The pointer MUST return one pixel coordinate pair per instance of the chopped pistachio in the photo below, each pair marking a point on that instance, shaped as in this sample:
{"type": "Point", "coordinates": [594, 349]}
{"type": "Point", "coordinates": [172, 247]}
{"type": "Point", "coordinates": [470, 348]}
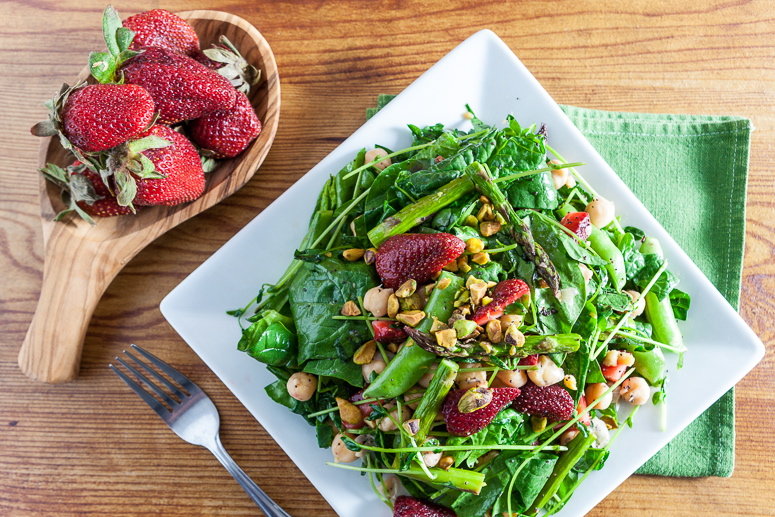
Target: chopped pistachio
{"type": "Point", "coordinates": [411, 318]}
{"type": "Point", "coordinates": [412, 426]}
{"type": "Point", "coordinates": [464, 328]}
{"type": "Point", "coordinates": [350, 308]}
{"type": "Point", "coordinates": [474, 245]}
{"type": "Point", "coordinates": [484, 199]}
{"type": "Point", "coordinates": [478, 291]}
{"type": "Point", "coordinates": [452, 267]}
{"type": "Point", "coordinates": [446, 338]}
{"type": "Point", "coordinates": [370, 255]}
{"type": "Point", "coordinates": [407, 289]}
{"type": "Point", "coordinates": [365, 352]}
{"type": "Point", "coordinates": [481, 258]}
{"type": "Point", "coordinates": [514, 337]}
{"type": "Point", "coordinates": [437, 325]}
{"type": "Point", "coordinates": [486, 300]}
{"type": "Point", "coordinates": [485, 213]}
{"type": "Point", "coordinates": [353, 254]}
{"type": "Point", "coordinates": [494, 332]}
{"type": "Point", "coordinates": [538, 424]}
{"type": "Point", "coordinates": [488, 228]}
{"type": "Point", "coordinates": [348, 411]}
{"type": "Point", "coordinates": [487, 347]}
{"type": "Point", "coordinates": [445, 462]}
{"type": "Point", "coordinates": [471, 221]}
{"type": "Point", "coordinates": [443, 283]}
{"type": "Point", "coordinates": [393, 306]}
{"type": "Point", "coordinates": [474, 399]}
{"type": "Point", "coordinates": [464, 268]}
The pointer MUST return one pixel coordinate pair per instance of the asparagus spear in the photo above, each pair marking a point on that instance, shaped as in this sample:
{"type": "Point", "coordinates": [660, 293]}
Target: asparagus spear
{"type": "Point", "coordinates": [520, 232]}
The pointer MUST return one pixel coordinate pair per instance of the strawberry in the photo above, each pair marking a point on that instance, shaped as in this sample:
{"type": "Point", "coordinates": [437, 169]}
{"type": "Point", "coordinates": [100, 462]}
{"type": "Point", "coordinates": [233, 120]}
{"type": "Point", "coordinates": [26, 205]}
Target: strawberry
{"type": "Point", "coordinates": [163, 29]}
{"type": "Point", "coordinates": [182, 88]}
{"type": "Point", "coordinates": [99, 116]}
{"type": "Point", "coordinates": [579, 223]}
{"type": "Point", "coordinates": [106, 204]}
{"type": "Point", "coordinates": [530, 360]}
{"type": "Point", "coordinates": [580, 408]}
{"type": "Point", "coordinates": [408, 506]}
{"type": "Point", "coordinates": [503, 295]}
{"type": "Point", "coordinates": [466, 424]}
{"type": "Point", "coordinates": [613, 373]}
{"type": "Point", "coordinates": [385, 333]}
{"type": "Point", "coordinates": [415, 256]}
{"type": "Point", "coordinates": [227, 133]}
{"type": "Point", "coordinates": [553, 401]}
{"type": "Point", "coordinates": [181, 167]}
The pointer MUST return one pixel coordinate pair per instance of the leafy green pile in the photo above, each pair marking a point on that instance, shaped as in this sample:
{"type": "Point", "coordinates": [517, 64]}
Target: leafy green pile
{"type": "Point", "coordinates": [516, 463]}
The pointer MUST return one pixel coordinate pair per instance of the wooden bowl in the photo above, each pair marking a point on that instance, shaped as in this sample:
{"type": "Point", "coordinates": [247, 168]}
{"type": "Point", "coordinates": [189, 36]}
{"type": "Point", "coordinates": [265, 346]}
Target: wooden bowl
{"type": "Point", "coordinates": [81, 260]}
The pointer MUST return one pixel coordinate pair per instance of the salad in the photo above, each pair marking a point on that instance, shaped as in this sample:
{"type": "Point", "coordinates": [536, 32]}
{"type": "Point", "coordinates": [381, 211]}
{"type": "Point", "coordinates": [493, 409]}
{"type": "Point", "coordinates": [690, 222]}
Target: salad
{"type": "Point", "coordinates": [467, 323]}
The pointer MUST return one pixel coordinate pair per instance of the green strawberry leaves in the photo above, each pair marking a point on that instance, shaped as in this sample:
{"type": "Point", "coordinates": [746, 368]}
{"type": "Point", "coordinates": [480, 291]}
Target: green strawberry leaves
{"type": "Point", "coordinates": [104, 66]}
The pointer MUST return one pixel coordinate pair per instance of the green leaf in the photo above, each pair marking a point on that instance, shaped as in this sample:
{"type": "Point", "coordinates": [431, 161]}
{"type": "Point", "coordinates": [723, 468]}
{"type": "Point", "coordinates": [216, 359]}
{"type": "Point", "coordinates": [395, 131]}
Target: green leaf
{"type": "Point", "coordinates": [126, 188]}
{"type": "Point", "coordinates": [148, 142]}
{"type": "Point", "coordinates": [111, 22]}
{"type": "Point", "coordinates": [680, 302]}
{"type": "Point", "coordinates": [347, 371]}
{"type": "Point", "coordinates": [102, 66]}
{"type": "Point", "coordinates": [124, 38]}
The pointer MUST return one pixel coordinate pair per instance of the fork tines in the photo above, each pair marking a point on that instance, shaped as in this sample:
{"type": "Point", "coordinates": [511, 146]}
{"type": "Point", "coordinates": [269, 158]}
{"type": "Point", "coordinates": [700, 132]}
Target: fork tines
{"type": "Point", "coordinates": [188, 386]}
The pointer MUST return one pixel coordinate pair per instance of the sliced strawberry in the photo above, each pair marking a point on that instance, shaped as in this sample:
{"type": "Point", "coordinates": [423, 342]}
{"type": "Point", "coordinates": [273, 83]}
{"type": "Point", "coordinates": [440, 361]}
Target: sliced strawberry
{"type": "Point", "coordinates": [415, 256]}
{"type": "Point", "coordinates": [553, 402]}
{"type": "Point", "coordinates": [503, 295]}
{"type": "Point", "coordinates": [613, 373]}
{"type": "Point", "coordinates": [408, 506]}
{"type": "Point", "coordinates": [580, 407]}
{"type": "Point", "coordinates": [466, 424]}
{"type": "Point", "coordinates": [579, 223]}
{"type": "Point", "coordinates": [384, 332]}
{"type": "Point", "coordinates": [530, 360]}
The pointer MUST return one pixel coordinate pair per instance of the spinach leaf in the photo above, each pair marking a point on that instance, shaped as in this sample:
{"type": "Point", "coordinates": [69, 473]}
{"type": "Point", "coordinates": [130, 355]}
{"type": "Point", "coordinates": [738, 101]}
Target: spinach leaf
{"type": "Point", "coordinates": [317, 294]}
{"type": "Point", "coordinates": [528, 484]}
{"type": "Point", "coordinates": [664, 284]}
{"type": "Point", "coordinates": [271, 339]}
{"type": "Point", "coordinates": [347, 370]}
{"type": "Point", "coordinates": [680, 302]}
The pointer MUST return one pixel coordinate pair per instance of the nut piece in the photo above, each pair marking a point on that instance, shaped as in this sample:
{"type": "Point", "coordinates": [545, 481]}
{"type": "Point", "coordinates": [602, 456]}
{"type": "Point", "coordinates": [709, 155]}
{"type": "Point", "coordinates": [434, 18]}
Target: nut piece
{"type": "Point", "coordinates": [376, 301]}
{"type": "Point", "coordinates": [447, 338]}
{"type": "Point", "coordinates": [514, 337]}
{"type": "Point", "coordinates": [393, 305]}
{"type": "Point", "coordinates": [446, 462]}
{"type": "Point", "coordinates": [443, 283]}
{"type": "Point", "coordinates": [488, 228]}
{"type": "Point", "coordinates": [494, 332]}
{"type": "Point", "coordinates": [538, 423]}
{"type": "Point", "coordinates": [411, 318]}
{"type": "Point", "coordinates": [568, 436]}
{"type": "Point", "coordinates": [365, 352]}
{"type": "Point", "coordinates": [302, 386]}
{"type": "Point", "coordinates": [474, 399]}
{"type": "Point", "coordinates": [474, 245]}
{"type": "Point", "coordinates": [511, 319]}
{"type": "Point", "coordinates": [478, 290]}
{"type": "Point", "coordinates": [349, 412]}
{"type": "Point", "coordinates": [350, 309]}
{"type": "Point", "coordinates": [464, 328]}
{"type": "Point", "coordinates": [481, 258]}
{"type": "Point", "coordinates": [485, 213]}
{"type": "Point", "coordinates": [407, 289]}
{"type": "Point", "coordinates": [353, 254]}
{"type": "Point", "coordinates": [369, 256]}
{"type": "Point", "coordinates": [412, 426]}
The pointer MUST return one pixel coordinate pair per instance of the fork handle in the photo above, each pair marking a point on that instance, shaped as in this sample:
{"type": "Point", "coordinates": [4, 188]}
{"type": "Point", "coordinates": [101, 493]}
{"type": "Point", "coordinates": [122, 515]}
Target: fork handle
{"type": "Point", "coordinates": [264, 502]}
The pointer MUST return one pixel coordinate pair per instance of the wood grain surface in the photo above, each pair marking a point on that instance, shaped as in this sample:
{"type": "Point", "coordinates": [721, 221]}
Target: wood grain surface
{"type": "Point", "coordinates": [91, 447]}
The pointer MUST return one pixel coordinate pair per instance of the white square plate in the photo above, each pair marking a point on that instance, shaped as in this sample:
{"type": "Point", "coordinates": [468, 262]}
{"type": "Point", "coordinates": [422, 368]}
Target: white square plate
{"type": "Point", "coordinates": [484, 73]}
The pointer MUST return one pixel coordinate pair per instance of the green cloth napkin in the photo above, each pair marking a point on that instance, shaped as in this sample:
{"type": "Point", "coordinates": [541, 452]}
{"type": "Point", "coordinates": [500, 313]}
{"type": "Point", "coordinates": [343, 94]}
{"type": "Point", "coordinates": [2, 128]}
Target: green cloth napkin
{"type": "Point", "coordinates": [691, 172]}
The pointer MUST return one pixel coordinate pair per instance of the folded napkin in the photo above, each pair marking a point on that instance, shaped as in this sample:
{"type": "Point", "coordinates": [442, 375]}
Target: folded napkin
{"type": "Point", "coordinates": [688, 170]}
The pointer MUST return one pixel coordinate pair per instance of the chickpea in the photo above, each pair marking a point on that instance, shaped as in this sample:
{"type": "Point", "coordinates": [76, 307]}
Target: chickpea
{"type": "Point", "coordinates": [547, 373]}
{"type": "Point", "coordinates": [601, 212]}
{"type": "Point", "coordinates": [376, 301]}
{"type": "Point", "coordinates": [377, 364]}
{"type": "Point", "coordinates": [594, 391]}
{"type": "Point", "coordinates": [390, 486]}
{"type": "Point", "coordinates": [302, 386]}
{"type": "Point", "coordinates": [511, 379]}
{"type": "Point", "coordinates": [635, 390]}
{"type": "Point", "coordinates": [560, 176]}
{"type": "Point", "coordinates": [341, 453]}
{"type": "Point", "coordinates": [431, 458]}
{"type": "Point", "coordinates": [389, 423]}
{"type": "Point", "coordinates": [425, 380]}
{"type": "Point", "coordinates": [600, 430]}
{"type": "Point", "coordinates": [373, 154]}
{"type": "Point", "coordinates": [568, 436]}
{"type": "Point", "coordinates": [467, 380]}
{"type": "Point", "coordinates": [571, 181]}
{"type": "Point", "coordinates": [639, 301]}
{"type": "Point", "coordinates": [586, 272]}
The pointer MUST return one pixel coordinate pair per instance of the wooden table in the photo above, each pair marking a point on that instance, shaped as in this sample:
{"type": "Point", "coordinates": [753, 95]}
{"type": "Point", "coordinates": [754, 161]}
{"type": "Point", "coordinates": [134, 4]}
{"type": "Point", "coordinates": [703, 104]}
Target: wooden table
{"type": "Point", "coordinates": [90, 447]}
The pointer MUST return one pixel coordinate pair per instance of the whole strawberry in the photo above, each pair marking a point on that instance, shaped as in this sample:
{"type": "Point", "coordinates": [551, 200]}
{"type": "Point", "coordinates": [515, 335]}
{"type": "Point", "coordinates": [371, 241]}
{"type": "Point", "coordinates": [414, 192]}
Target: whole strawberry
{"type": "Point", "coordinates": [504, 294]}
{"type": "Point", "coordinates": [227, 133]}
{"type": "Point", "coordinates": [105, 204]}
{"type": "Point", "coordinates": [163, 29]}
{"type": "Point", "coordinates": [181, 167]}
{"type": "Point", "coordinates": [99, 116]}
{"type": "Point", "coordinates": [408, 506]}
{"type": "Point", "coordinates": [553, 402]}
{"type": "Point", "coordinates": [182, 88]}
{"type": "Point", "coordinates": [415, 256]}
{"type": "Point", "coordinates": [467, 422]}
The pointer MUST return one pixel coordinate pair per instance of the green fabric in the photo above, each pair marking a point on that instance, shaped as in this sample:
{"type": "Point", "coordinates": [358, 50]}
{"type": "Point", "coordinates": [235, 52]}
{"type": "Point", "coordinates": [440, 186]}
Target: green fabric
{"type": "Point", "coordinates": [691, 172]}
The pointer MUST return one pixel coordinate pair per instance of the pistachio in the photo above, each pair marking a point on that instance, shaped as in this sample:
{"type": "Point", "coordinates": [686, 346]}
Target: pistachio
{"type": "Point", "coordinates": [353, 254]}
{"type": "Point", "coordinates": [481, 258]}
{"type": "Point", "coordinates": [488, 228]}
{"type": "Point", "coordinates": [370, 255]}
{"type": "Point", "coordinates": [484, 199]}
{"type": "Point", "coordinates": [478, 291]}
{"type": "Point", "coordinates": [393, 305]}
{"type": "Point", "coordinates": [451, 267]}
{"type": "Point", "coordinates": [486, 300]}
{"type": "Point", "coordinates": [462, 260]}
{"type": "Point", "coordinates": [443, 283]}
{"type": "Point", "coordinates": [365, 352]}
{"type": "Point", "coordinates": [474, 245]}
{"type": "Point", "coordinates": [412, 426]}
{"type": "Point", "coordinates": [446, 338]}
{"type": "Point", "coordinates": [407, 289]}
{"type": "Point", "coordinates": [349, 412]}
{"type": "Point", "coordinates": [411, 318]}
{"type": "Point", "coordinates": [494, 332]}
{"type": "Point", "coordinates": [471, 221]}
{"type": "Point", "coordinates": [464, 328]}
{"type": "Point", "coordinates": [474, 399]}
{"type": "Point", "coordinates": [446, 462]}
{"type": "Point", "coordinates": [350, 308]}
{"type": "Point", "coordinates": [487, 347]}
{"type": "Point", "coordinates": [537, 423]}
{"type": "Point", "coordinates": [413, 302]}
{"type": "Point", "coordinates": [464, 268]}
{"type": "Point", "coordinates": [485, 213]}
{"type": "Point", "coordinates": [511, 319]}
{"type": "Point", "coordinates": [514, 337]}
{"type": "Point", "coordinates": [437, 325]}
{"type": "Point", "coordinates": [471, 280]}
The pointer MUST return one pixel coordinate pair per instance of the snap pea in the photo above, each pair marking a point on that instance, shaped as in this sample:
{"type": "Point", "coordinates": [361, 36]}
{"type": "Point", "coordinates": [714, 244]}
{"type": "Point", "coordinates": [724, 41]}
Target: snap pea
{"type": "Point", "coordinates": [602, 244]}
{"type": "Point", "coordinates": [650, 364]}
{"type": "Point", "coordinates": [660, 312]}
{"type": "Point", "coordinates": [412, 362]}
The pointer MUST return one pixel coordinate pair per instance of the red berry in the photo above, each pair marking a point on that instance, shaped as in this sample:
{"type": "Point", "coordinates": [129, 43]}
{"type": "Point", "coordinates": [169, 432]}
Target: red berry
{"type": "Point", "coordinates": [466, 424]}
{"type": "Point", "coordinates": [530, 360]}
{"type": "Point", "coordinates": [384, 332]}
{"type": "Point", "coordinates": [613, 373]}
{"type": "Point", "coordinates": [579, 223]}
{"type": "Point", "coordinates": [503, 295]}
{"type": "Point", "coordinates": [161, 28]}
{"type": "Point", "coordinates": [553, 402]}
{"type": "Point", "coordinates": [580, 407]}
{"type": "Point", "coordinates": [408, 506]}
{"type": "Point", "coordinates": [100, 116]}
{"type": "Point", "coordinates": [227, 133]}
{"type": "Point", "coordinates": [106, 205]}
{"type": "Point", "coordinates": [182, 88]}
{"type": "Point", "coordinates": [181, 167]}
{"type": "Point", "coordinates": [415, 256]}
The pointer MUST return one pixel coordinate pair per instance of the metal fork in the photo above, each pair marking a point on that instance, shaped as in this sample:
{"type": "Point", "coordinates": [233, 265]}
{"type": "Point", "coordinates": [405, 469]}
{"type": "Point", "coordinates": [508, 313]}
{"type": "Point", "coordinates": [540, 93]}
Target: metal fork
{"type": "Point", "coordinates": [193, 417]}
